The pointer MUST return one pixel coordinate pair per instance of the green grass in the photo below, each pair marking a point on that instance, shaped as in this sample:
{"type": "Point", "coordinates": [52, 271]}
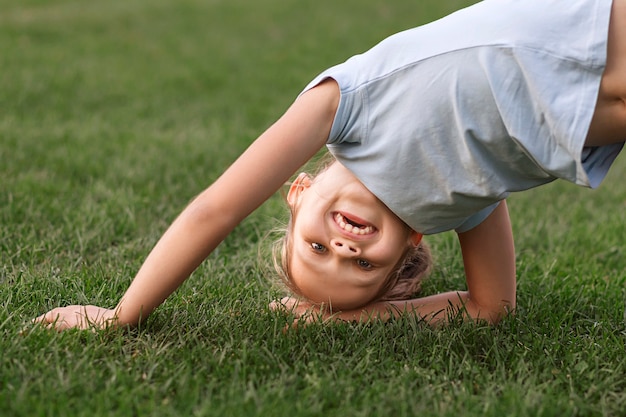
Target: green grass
{"type": "Point", "coordinates": [113, 115]}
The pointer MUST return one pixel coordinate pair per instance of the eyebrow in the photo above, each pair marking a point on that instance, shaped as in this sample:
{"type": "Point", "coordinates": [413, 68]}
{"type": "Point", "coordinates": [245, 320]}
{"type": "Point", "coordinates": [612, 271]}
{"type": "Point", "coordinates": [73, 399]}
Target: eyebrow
{"type": "Point", "coordinates": [309, 261]}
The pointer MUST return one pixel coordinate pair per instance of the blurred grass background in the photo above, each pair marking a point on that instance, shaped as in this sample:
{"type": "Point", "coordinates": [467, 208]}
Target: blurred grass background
{"type": "Point", "coordinates": [113, 115]}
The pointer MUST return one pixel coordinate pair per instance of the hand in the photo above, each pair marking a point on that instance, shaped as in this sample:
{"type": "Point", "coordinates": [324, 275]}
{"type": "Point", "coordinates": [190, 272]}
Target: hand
{"type": "Point", "coordinates": [293, 305]}
{"type": "Point", "coordinates": [77, 317]}
{"type": "Point", "coordinates": [304, 311]}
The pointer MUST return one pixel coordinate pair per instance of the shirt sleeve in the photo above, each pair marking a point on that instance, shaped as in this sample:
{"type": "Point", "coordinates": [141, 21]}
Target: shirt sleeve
{"type": "Point", "coordinates": [476, 219]}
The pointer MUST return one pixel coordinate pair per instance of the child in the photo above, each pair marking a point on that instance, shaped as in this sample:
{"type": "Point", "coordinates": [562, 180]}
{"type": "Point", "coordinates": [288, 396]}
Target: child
{"type": "Point", "coordinates": [431, 130]}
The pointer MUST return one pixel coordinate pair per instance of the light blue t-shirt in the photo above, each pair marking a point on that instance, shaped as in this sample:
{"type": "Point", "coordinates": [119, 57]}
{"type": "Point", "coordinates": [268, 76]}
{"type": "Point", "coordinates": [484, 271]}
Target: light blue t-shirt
{"type": "Point", "coordinates": [443, 121]}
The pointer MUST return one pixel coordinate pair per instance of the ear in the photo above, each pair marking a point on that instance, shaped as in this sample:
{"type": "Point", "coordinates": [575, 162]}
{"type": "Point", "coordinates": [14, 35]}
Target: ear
{"type": "Point", "coordinates": [300, 184]}
{"type": "Point", "coordinates": [415, 238]}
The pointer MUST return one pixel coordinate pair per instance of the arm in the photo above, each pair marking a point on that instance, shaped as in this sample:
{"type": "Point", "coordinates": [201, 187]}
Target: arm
{"type": "Point", "coordinates": [252, 179]}
{"type": "Point", "coordinates": [489, 259]}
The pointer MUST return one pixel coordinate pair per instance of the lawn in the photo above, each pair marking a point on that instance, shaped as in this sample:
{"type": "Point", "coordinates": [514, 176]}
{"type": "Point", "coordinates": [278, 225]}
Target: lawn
{"type": "Point", "coordinates": [114, 114]}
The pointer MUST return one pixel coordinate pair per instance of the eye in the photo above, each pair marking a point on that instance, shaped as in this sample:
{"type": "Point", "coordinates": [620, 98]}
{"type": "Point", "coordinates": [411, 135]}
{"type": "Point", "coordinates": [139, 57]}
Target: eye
{"type": "Point", "coordinates": [363, 264]}
{"type": "Point", "coordinates": [318, 247]}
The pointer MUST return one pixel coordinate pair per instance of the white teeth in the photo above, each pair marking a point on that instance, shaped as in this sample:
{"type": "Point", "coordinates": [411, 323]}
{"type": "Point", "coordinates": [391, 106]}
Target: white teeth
{"type": "Point", "coordinates": [341, 221]}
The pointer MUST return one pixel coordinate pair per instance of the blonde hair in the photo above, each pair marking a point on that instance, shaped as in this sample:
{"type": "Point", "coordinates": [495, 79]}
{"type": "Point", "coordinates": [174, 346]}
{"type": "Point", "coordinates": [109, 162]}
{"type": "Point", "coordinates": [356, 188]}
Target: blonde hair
{"type": "Point", "coordinates": [404, 282]}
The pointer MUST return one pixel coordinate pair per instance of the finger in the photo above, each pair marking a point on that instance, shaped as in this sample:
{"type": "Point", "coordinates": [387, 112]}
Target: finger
{"type": "Point", "coordinates": [53, 319]}
{"type": "Point", "coordinates": [289, 301]}
{"type": "Point", "coordinates": [291, 327]}
{"type": "Point", "coordinates": [42, 318]}
{"type": "Point", "coordinates": [275, 305]}
{"type": "Point", "coordinates": [47, 318]}
{"type": "Point", "coordinates": [283, 305]}
{"type": "Point", "coordinates": [38, 319]}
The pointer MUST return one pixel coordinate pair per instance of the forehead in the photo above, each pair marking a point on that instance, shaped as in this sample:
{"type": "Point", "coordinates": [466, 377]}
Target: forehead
{"type": "Point", "coordinates": [322, 279]}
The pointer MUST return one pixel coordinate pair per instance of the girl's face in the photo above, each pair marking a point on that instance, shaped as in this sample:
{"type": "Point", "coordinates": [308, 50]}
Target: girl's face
{"type": "Point", "coordinates": [345, 241]}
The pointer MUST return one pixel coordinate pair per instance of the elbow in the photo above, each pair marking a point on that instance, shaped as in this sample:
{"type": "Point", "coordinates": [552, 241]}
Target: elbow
{"type": "Point", "coordinates": [205, 210]}
{"type": "Point", "coordinates": [491, 314]}
{"type": "Point", "coordinates": [496, 316]}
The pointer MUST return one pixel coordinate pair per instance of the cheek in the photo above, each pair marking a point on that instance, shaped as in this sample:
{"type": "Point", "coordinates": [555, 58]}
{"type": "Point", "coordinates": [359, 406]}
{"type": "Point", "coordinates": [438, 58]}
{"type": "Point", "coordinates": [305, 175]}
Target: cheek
{"type": "Point", "coordinates": [398, 241]}
{"type": "Point", "coordinates": [390, 252]}
{"type": "Point", "coordinates": [305, 221]}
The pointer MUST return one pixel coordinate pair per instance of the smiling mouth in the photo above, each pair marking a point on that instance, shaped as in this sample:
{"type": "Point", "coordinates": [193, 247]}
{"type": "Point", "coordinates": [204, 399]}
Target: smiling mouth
{"type": "Point", "coordinates": [352, 226]}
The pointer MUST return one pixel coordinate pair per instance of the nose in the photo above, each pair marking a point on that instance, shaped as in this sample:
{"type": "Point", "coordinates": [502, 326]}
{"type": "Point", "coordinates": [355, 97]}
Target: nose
{"type": "Point", "coordinates": [345, 248]}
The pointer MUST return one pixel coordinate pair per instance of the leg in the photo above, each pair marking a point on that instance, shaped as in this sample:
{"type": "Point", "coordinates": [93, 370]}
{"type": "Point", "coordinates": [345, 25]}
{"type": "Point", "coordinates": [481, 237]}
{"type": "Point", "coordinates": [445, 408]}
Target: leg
{"type": "Point", "coordinates": [609, 121]}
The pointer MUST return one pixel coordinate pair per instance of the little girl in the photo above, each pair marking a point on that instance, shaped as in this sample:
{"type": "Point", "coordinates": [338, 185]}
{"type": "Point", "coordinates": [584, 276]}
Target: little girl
{"type": "Point", "coordinates": [431, 130]}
